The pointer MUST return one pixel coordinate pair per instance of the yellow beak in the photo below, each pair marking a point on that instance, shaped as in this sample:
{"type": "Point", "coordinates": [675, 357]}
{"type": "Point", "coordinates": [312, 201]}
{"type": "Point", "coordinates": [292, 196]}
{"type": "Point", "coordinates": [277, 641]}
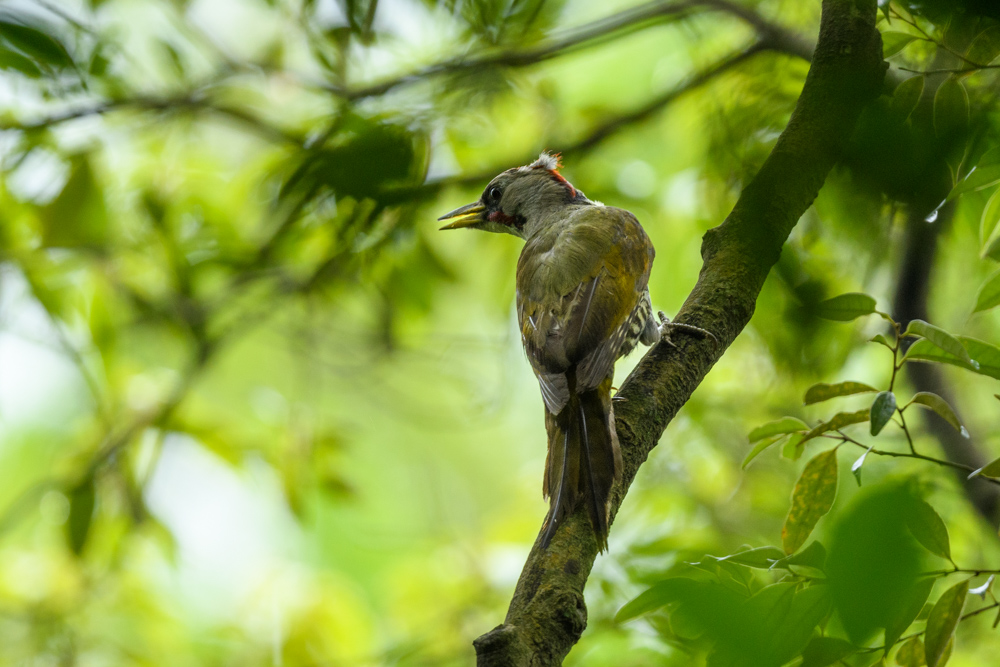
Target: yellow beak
{"type": "Point", "coordinates": [466, 216]}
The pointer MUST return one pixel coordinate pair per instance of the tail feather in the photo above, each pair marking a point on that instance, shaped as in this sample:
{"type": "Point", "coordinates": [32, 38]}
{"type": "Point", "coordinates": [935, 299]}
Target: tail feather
{"type": "Point", "coordinates": [584, 461]}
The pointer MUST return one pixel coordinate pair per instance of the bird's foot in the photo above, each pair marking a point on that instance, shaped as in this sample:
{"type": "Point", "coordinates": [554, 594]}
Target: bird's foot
{"type": "Point", "coordinates": [666, 326]}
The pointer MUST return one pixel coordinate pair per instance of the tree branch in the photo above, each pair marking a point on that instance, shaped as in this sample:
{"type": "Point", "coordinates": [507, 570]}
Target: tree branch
{"type": "Point", "coordinates": [588, 35]}
{"type": "Point", "coordinates": [547, 614]}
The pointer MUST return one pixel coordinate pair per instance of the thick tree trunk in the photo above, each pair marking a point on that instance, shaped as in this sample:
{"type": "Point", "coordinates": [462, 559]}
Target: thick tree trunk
{"type": "Point", "coordinates": [547, 614]}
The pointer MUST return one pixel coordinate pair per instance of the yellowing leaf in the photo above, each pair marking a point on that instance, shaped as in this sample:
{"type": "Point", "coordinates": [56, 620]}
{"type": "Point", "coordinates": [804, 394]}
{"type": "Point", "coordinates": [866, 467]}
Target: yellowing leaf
{"type": "Point", "coordinates": [812, 498]}
{"type": "Point", "coordinates": [911, 654]}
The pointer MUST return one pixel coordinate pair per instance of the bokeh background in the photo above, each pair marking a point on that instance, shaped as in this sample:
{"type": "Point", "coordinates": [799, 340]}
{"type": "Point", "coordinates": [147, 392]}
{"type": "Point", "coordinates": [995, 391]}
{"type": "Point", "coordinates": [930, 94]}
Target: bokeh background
{"type": "Point", "coordinates": [256, 410]}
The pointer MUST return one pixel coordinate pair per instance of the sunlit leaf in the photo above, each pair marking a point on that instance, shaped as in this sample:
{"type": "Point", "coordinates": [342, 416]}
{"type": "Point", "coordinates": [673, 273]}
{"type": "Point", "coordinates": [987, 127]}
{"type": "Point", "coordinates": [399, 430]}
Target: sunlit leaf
{"type": "Point", "coordinates": [906, 96]}
{"type": "Point", "coordinates": [951, 108]}
{"type": "Point", "coordinates": [941, 407]}
{"type": "Point", "coordinates": [942, 622]}
{"type": "Point", "coordinates": [915, 599]}
{"type": "Point", "coordinates": [822, 391]}
{"type": "Point", "coordinates": [893, 42]}
{"type": "Point", "coordinates": [846, 307]}
{"type": "Point", "coordinates": [777, 427]}
{"type": "Point", "coordinates": [812, 498]}
{"type": "Point", "coordinates": [813, 556]}
{"type": "Point", "coordinates": [941, 338]}
{"type": "Point", "coordinates": [78, 217]}
{"type": "Point", "coordinates": [928, 528]}
{"type": "Point", "coordinates": [883, 407]}
{"type": "Point", "coordinates": [823, 651]}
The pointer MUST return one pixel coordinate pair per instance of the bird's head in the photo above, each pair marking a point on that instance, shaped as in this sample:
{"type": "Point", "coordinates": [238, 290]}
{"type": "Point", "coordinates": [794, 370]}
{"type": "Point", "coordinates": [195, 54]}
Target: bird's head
{"type": "Point", "coordinates": [518, 200]}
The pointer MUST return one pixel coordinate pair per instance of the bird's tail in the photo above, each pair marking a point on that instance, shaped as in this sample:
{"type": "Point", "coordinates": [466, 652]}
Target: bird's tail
{"type": "Point", "coordinates": [583, 462]}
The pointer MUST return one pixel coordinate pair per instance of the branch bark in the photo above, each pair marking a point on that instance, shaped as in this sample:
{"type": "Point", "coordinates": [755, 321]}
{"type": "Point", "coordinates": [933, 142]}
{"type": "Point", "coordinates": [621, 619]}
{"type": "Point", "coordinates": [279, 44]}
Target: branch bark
{"type": "Point", "coordinates": [547, 614]}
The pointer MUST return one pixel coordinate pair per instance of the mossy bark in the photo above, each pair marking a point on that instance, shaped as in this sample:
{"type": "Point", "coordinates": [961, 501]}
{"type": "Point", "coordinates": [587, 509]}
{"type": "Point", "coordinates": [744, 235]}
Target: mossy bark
{"type": "Point", "coordinates": [547, 614]}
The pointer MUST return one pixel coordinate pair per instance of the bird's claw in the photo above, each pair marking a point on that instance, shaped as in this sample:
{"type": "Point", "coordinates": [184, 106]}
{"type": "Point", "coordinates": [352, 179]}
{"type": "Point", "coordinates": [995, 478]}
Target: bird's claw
{"type": "Point", "coordinates": [666, 326]}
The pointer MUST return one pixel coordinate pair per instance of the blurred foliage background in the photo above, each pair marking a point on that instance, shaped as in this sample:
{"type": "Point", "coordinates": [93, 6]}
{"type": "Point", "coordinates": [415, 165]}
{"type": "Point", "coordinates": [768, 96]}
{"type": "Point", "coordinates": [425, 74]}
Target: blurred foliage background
{"type": "Point", "coordinates": [255, 410]}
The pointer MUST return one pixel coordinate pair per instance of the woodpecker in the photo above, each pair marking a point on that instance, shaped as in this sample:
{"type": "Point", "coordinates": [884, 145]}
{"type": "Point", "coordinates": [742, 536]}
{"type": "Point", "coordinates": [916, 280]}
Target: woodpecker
{"type": "Point", "coordinates": [582, 302]}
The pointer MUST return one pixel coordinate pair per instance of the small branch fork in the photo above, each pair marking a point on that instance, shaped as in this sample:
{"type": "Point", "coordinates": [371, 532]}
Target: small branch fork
{"type": "Point", "coordinates": [547, 614]}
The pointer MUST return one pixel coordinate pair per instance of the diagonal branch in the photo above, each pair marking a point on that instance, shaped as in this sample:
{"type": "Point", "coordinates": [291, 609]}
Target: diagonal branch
{"type": "Point", "coordinates": [547, 614]}
{"type": "Point", "coordinates": [591, 34]}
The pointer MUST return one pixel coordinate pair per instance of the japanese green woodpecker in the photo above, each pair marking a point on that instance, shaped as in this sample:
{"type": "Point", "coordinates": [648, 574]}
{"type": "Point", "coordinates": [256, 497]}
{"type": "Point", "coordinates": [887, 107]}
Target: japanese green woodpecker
{"type": "Point", "coordinates": [582, 302]}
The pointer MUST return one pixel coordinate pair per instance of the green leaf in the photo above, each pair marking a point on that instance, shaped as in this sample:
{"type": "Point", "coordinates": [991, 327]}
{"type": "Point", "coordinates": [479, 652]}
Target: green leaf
{"type": "Point", "coordinates": [942, 622]}
{"type": "Point", "coordinates": [893, 42]}
{"type": "Point", "coordinates": [989, 219]}
{"type": "Point", "coordinates": [78, 217]}
{"type": "Point", "coordinates": [659, 595]}
{"type": "Point", "coordinates": [991, 469]}
{"type": "Point", "coordinates": [881, 340]}
{"type": "Point", "coordinates": [823, 651]}
{"type": "Point", "coordinates": [812, 498]}
{"type": "Point", "coordinates": [882, 410]}
{"type": "Point", "coordinates": [760, 447]}
{"type": "Point", "coordinates": [14, 61]}
{"type": "Point", "coordinates": [813, 555]}
{"type": "Point", "coordinates": [915, 601]}
{"type": "Point", "coordinates": [846, 307]}
{"type": "Point", "coordinates": [81, 514]}
{"type": "Point", "coordinates": [35, 44]}
{"type": "Point", "coordinates": [979, 178]}
{"type": "Point", "coordinates": [951, 108]}
{"type": "Point", "coordinates": [778, 427]}
{"type": "Point", "coordinates": [794, 447]}
{"type": "Point", "coordinates": [822, 391]}
{"type": "Point", "coordinates": [761, 557]}
{"type": "Point", "coordinates": [939, 337]}
{"type": "Point", "coordinates": [928, 528]}
{"type": "Point", "coordinates": [987, 356]}
{"type": "Point", "coordinates": [911, 654]}
{"type": "Point", "coordinates": [906, 96]}
{"type": "Point", "coordinates": [940, 406]}
{"type": "Point", "coordinates": [837, 422]}
{"type": "Point", "coordinates": [989, 294]}
{"type": "Point", "coordinates": [856, 466]}
{"type": "Point", "coordinates": [985, 46]}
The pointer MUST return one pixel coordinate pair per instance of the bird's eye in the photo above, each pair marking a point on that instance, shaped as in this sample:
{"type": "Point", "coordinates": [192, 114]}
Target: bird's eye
{"type": "Point", "coordinates": [494, 193]}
